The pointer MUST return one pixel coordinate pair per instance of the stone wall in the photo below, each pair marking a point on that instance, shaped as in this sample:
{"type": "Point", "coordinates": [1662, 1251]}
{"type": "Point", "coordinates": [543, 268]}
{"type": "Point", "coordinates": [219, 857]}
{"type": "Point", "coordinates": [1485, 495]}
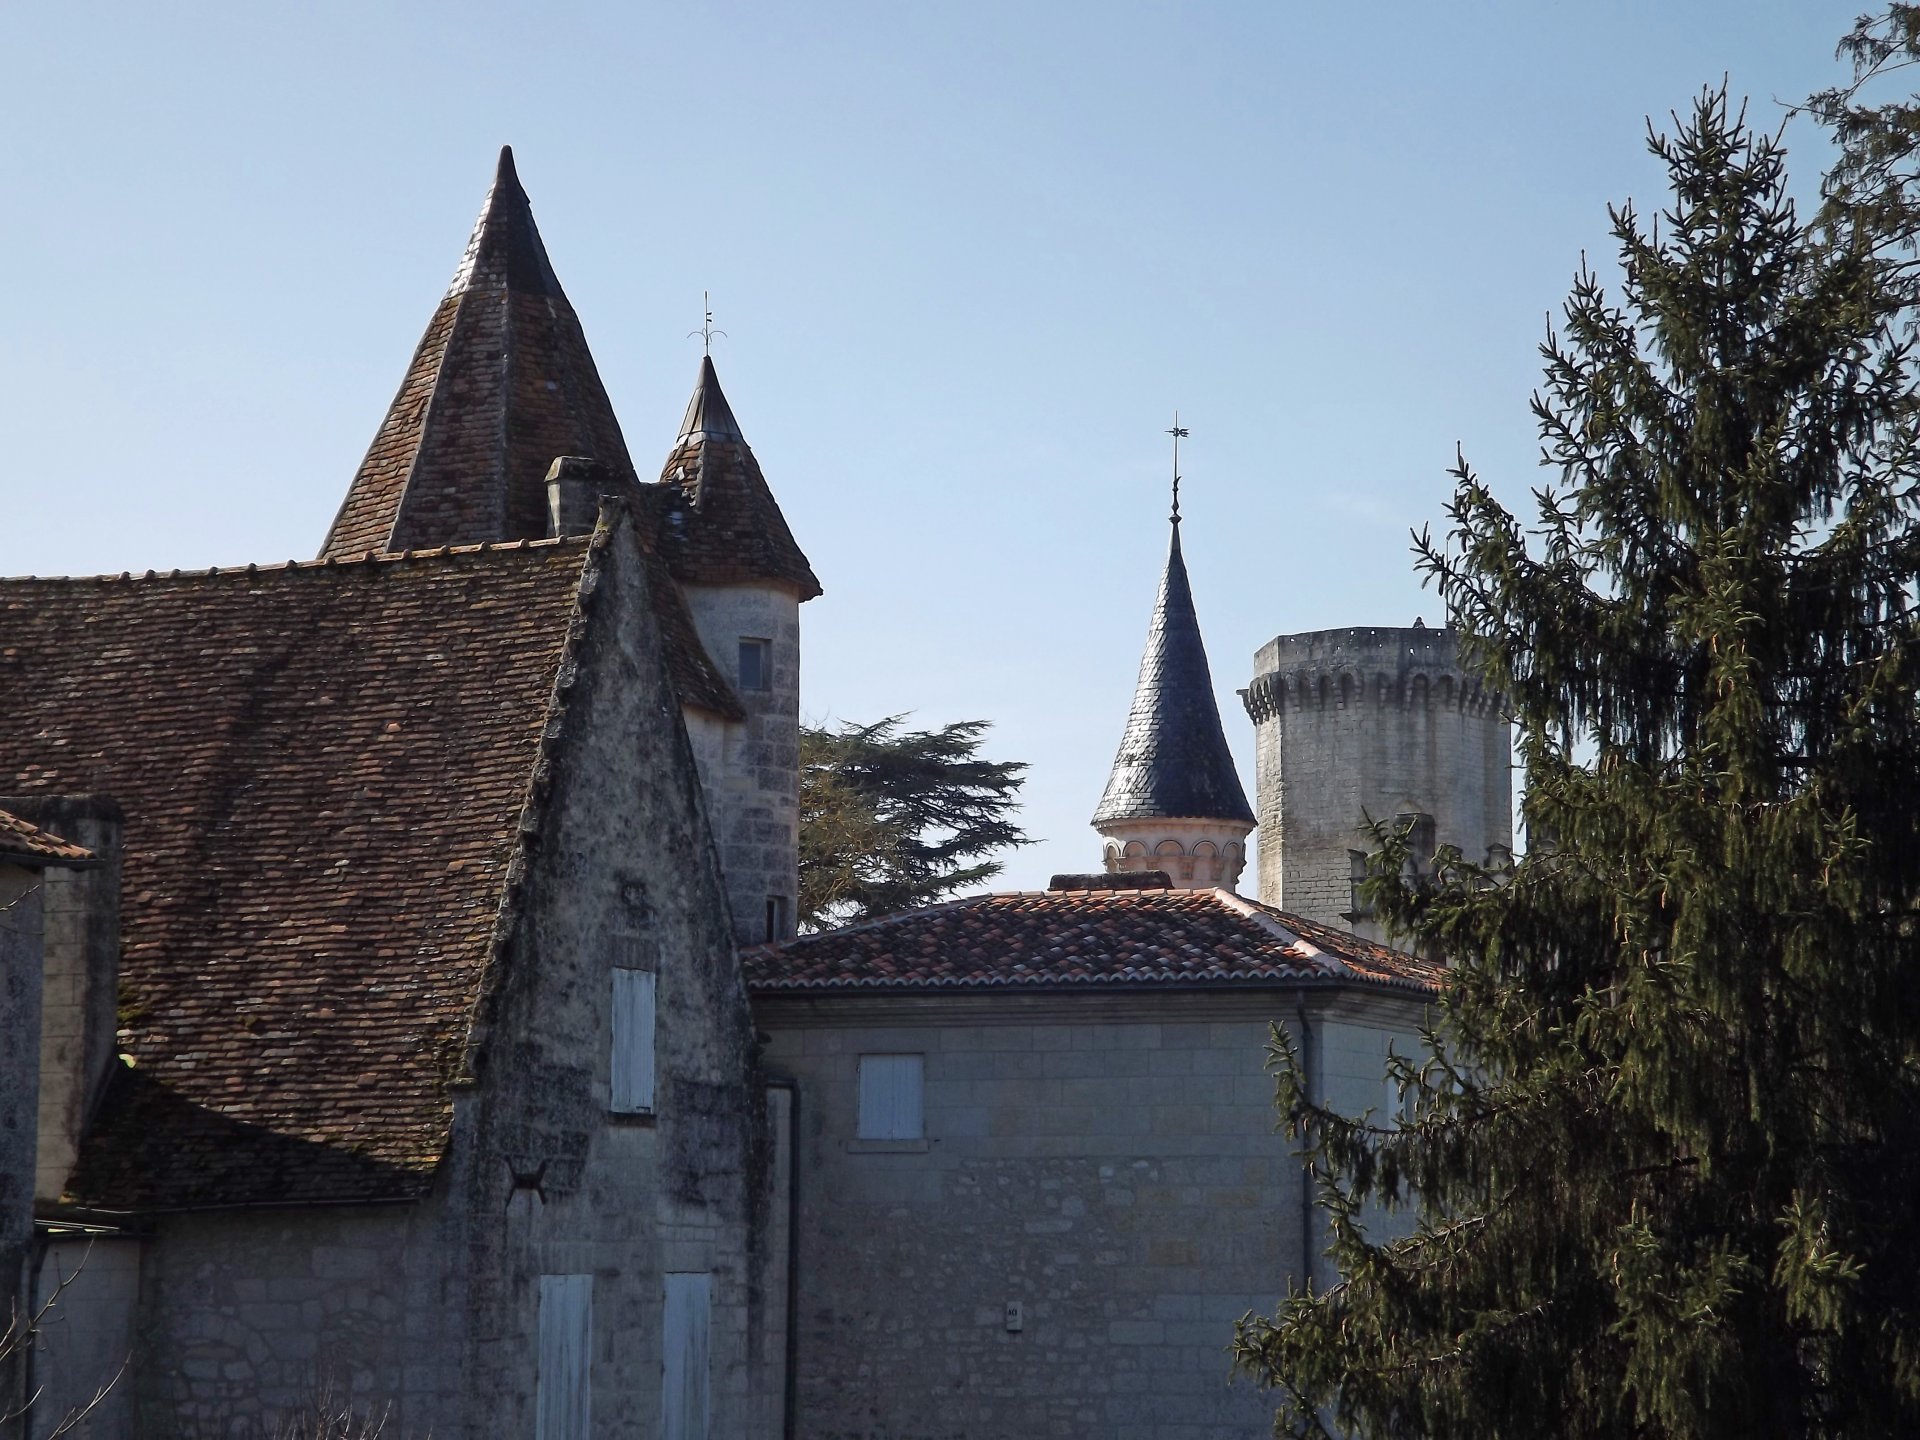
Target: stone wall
{"type": "Point", "coordinates": [80, 992]}
{"type": "Point", "coordinates": [751, 769]}
{"type": "Point", "coordinates": [20, 896]}
{"type": "Point", "coordinates": [1352, 724]}
{"type": "Point", "coordinates": [1106, 1163]}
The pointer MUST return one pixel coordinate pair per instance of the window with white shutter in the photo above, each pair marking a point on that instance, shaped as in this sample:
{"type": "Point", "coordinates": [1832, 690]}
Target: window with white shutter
{"type": "Point", "coordinates": [686, 1367]}
{"type": "Point", "coordinates": [633, 1024]}
{"type": "Point", "coordinates": [891, 1089]}
{"type": "Point", "coordinates": [561, 1404]}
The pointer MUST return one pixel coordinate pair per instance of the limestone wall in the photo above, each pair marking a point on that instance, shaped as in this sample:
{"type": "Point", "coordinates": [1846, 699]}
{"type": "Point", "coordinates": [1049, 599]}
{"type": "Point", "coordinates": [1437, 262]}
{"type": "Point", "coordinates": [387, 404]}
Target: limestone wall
{"type": "Point", "coordinates": [1351, 724]}
{"type": "Point", "coordinates": [1106, 1163]}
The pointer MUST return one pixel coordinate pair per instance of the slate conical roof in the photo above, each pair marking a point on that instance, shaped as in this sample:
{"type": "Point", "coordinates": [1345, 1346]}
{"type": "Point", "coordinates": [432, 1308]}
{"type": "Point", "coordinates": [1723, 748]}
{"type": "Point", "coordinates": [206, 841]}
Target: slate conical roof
{"type": "Point", "coordinates": [731, 531]}
{"type": "Point", "coordinates": [1173, 761]}
{"type": "Point", "coordinates": [501, 384]}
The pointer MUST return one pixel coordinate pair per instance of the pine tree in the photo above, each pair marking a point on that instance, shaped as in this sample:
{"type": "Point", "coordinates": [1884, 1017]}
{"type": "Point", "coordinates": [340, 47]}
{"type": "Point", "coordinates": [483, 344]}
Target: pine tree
{"type": "Point", "coordinates": [1664, 1157]}
{"type": "Point", "coordinates": [892, 818]}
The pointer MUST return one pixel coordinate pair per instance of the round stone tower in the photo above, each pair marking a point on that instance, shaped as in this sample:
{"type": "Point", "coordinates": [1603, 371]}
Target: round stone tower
{"type": "Point", "coordinates": [1379, 724]}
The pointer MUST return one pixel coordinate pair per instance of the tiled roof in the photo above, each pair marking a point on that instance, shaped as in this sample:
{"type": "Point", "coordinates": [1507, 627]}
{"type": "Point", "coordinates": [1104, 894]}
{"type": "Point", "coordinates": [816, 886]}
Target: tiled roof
{"type": "Point", "coordinates": [730, 529]}
{"type": "Point", "coordinates": [1173, 761]}
{"type": "Point", "coordinates": [501, 384]}
{"type": "Point", "coordinates": [322, 769]}
{"type": "Point", "coordinates": [1083, 939]}
{"type": "Point", "coordinates": [30, 845]}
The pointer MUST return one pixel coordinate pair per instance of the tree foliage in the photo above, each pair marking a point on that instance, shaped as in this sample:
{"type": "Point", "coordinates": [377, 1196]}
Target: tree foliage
{"type": "Point", "coordinates": [892, 818]}
{"type": "Point", "coordinates": [1664, 1157]}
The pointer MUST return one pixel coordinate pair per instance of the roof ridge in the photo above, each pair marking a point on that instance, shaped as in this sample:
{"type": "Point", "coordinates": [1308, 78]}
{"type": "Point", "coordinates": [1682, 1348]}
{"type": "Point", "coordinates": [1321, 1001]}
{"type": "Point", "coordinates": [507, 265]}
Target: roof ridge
{"type": "Point", "coordinates": [339, 562]}
{"type": "Point", "coordinates": [876, 922]}
{"type": "Point", "coordinates": [1269, 920]}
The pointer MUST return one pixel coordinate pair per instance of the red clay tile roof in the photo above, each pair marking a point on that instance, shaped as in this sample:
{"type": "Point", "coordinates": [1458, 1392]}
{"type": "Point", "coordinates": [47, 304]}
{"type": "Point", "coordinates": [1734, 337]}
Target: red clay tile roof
{"type": "Point", "coordinates": [730, 530]}
{"type": "Point", "coordinates": [322, 768]}
{"type": "Point", "coordinates": [501, 384]}
{"type": "Point", "coordinates": [1079, 939]}
{"type": "Point", "coordinates": [30, 845]}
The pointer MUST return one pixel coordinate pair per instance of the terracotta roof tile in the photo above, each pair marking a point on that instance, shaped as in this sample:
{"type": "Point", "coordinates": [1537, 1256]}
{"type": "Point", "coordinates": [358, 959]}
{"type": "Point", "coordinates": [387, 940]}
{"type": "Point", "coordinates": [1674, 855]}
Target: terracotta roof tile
{"type": "Point", "coordinates": [30, 845]}
{"type": "Point", "coordinates": [322, 769]}
{"type": "Point", "coordinates": [1083, 938]}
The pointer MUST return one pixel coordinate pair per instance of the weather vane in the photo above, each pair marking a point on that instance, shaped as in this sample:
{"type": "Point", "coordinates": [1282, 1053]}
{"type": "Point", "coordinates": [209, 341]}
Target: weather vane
{"type": "Point", "coordinates": [1178, 432]}
{"type": "Point", "coordinates": [706, 332]}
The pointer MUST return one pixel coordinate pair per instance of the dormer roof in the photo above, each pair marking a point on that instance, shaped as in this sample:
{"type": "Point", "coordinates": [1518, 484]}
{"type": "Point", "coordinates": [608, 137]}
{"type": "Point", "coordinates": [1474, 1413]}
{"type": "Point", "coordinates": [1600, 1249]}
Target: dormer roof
{"type": "Point", "coordinates": [501, 383]}
{"type": "Point", "coordinates": [729, 529]}
{"type": "Point", "coordinates": [1174, 762]}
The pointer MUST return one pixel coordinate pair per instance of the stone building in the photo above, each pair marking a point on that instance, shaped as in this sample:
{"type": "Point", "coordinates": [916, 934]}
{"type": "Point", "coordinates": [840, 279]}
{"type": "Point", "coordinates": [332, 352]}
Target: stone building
{"type": "Point", "coordinates": [1036, 1155]}
{"type": "Point", "coordinates": [411, 1004]}
{"type": "Point", "coordinates": [413, 1053]}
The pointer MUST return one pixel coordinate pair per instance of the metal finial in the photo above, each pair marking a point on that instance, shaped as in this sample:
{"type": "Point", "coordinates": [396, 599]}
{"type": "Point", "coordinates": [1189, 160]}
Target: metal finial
{"type": "Point", "coordinates": [706, 332]}
{"type": "Point", "coordinates": [1178, 432]}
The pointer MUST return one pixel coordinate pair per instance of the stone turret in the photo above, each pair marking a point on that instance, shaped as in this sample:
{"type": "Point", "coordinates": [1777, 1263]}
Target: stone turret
{"type": "Point", "coordinates": [1378, 724]}
{"type": "Point", "coordinates": [1173, 801]}
{"type": "Point", "coordinates": [744, 579]}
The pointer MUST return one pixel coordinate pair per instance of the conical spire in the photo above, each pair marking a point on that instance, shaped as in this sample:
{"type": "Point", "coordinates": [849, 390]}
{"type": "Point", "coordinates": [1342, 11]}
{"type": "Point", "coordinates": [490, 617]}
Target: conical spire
{"type": "Point", "coordinates": [1173, 761]}
{"type": "Point", "coordinates": [502, 383]}
{"type": "Point", "coordinates": [731, 531]}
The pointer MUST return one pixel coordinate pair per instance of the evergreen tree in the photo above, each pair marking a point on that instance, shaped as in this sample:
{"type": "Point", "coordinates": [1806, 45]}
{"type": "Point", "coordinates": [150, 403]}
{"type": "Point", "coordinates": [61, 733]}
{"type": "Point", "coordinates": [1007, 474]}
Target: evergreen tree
{"type": "Point", "coordinates": [892, 818]}
{"type": "Point", "coordinates": [1664, 1159]}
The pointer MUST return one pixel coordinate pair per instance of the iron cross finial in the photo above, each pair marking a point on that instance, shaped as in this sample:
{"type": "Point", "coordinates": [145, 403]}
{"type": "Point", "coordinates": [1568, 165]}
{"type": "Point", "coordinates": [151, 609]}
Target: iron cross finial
{"type": "Point", "coordinates": [1179, 433]}
{"type": "Point", "coordinates": [706, 332]}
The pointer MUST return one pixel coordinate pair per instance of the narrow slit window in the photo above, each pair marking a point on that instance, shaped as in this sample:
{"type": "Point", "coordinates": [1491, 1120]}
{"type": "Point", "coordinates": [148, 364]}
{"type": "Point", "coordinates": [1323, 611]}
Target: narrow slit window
{"type": "Point", "coordinates": [776, 919]}
{"type": "Point", "coordinates": [756, 664]}
{"type": "Point", "coordinates": [892, 1097]}
{"type": "Point", "coordinates": [633, 1049]}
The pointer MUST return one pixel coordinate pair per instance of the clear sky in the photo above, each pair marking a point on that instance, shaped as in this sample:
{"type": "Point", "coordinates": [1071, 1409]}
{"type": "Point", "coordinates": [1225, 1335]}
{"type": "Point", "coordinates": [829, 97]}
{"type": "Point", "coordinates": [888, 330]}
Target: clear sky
{"type": "Point", "coordinates": [969, 258]}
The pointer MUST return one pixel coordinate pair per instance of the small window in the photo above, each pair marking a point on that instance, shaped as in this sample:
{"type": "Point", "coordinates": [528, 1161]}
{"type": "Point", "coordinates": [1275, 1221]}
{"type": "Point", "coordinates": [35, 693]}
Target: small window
{"type": "Point", "coordinates": [633, 1012]}
{"type": "Point", "coordinates": [562, 1405]}
{"type": "Point", "coordinates": [777, 919]}
{"type": "Point", "coordinates": [756, 664]}
{"type": "Point", "coordinates": [891, 1089]}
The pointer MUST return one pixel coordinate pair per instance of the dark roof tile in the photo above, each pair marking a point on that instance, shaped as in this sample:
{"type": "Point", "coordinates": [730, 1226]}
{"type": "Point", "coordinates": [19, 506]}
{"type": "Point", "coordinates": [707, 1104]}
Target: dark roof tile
{"type": "Point", "coordinates": [322, 769]}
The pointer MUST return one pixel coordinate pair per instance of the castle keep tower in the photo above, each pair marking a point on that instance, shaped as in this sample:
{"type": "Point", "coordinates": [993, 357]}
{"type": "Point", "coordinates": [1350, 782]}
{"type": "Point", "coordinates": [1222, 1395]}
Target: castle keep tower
{"type": "Point", "coordinates": [1173, 801]}
{"type": "Point", "coordinates": [1378, 724]}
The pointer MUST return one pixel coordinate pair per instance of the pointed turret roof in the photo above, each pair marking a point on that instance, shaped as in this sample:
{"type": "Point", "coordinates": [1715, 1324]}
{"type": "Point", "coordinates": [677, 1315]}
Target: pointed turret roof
{"type": "Point", "coordinates": [502, 383]}
{"type": "Point", "coordinates": [729, 528]}
{"type": "Point", "coordinates": [1173, 761]}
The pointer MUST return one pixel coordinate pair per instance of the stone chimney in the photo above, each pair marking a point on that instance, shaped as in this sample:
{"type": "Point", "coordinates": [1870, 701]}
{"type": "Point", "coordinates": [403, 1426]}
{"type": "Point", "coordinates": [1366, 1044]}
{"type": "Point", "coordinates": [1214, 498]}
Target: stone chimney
{"type": "Point", "coordinates": [31, 859]}
{"type": "Point", "coordinates": [575, 484]}
{"type": "Point", "coordinates": [80, 977]}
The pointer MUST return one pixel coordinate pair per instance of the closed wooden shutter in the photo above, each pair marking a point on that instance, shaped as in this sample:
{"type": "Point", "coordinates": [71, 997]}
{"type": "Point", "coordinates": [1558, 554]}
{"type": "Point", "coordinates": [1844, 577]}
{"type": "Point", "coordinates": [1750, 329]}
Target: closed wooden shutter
{"type": "Point", "coordinates": [633, 1020]}
{"type": "Point", "coordinates": [561, 1405]}
{"type": "Point", "coordinates": [685, 1389]}
{"type": "Point", "coordinates": [890, 1097]}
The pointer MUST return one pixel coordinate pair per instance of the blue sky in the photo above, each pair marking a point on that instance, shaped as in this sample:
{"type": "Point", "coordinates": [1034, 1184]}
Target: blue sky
{"type": "Point", "coordinates": [969, 259]}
